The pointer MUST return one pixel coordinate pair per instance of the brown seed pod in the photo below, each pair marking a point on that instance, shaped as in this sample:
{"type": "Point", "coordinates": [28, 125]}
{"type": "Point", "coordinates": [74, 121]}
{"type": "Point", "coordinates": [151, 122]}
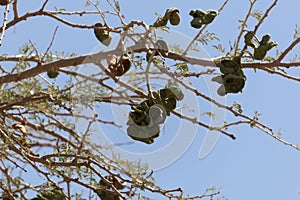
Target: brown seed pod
{"type": "Point", "coordinates": [174, 16]}
{"type": "Point", "coordinates": [4, 2]}
{"type": "Point", "coordinates": [118, 68]}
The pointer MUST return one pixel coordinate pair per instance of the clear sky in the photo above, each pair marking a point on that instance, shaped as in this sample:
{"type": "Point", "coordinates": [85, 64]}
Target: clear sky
{"type": "Point", "coordinates": [254, 166]}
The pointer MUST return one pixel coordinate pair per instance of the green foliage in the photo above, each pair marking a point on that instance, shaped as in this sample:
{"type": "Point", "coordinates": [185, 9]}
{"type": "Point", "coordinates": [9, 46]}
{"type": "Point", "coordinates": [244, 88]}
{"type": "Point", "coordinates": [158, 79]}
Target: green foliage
{"type": "Point", "coordinates": [182, 67]}
{"type": "Point", "coordinates": [237, 107]}
{"type": "Point", "coordinates": [55, 193]}
{"type": "Point", "coordinates": [257, 14]}
{"type": "Point", "coordinates": [207, 37]}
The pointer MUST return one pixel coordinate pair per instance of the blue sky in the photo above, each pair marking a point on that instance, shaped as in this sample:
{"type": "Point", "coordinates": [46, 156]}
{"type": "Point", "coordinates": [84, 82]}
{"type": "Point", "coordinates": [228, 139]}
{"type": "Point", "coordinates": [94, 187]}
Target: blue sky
{"type": "Point", "coordinates": [254, 166]}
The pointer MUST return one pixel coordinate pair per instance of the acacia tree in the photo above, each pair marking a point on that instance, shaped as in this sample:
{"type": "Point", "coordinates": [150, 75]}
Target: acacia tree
{"type": "Point", "coordinates": [50, 100]}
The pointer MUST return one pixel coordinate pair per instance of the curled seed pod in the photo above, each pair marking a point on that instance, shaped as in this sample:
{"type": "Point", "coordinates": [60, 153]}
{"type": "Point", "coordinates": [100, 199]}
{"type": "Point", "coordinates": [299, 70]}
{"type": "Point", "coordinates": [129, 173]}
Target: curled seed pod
{"type": "Point", "coordinates": [271, 44]}
{"type": "Point", "coordinates": [260, 52]}
{"type": "Point", "coordinates": [143, 134]}
{"type": "Point", "coordinates": [5, 2]}
{"type": "Point", "coordinates": [234, 83]}
{"type": "Point", "coordinates": [196, 22]}
{"type": "Point", "coordinates": [170, 104]}
{"type": "Point", "coordinates": [249, 39]}
{"type": "Point", "coordinates": [197, 13]}
{"type": "Point", "coordinates": [265, 39]}
{"type": "Point", "coordinates": [118, 68]}
{"type": "Point", "coordinates": [102, 35]}
{"type": "Point", "coordinates": [221, 90]}
{"type": "Point", "coordinates": [210, 16]}
{"type": "Point", "coordinates": [174, 16]}
{"type": "Point", "coordinates": [52, 74]}
{"type": "Point", "coordinates": [217, 79]}
{"type": "Point", "coordinates": [125, 64]}
{"type": "Point", "coordinates": [120, 185]}
{"type": "Point", "coordinates": [162, 47]}
{"type": "Point", "coordinates": [157, 114]}
{"type": "Point", "coordinates": [177, 92]}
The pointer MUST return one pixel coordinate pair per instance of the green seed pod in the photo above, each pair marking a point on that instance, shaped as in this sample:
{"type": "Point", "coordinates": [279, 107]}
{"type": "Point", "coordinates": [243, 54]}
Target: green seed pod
{"type": "Point", "coordinates": [170, 104]}
{"type": "Point", "coordinates": [196, 22]}
{"type": "Point", "coordinates": [166, 93]}
{"type": "Point", "coordinates": [227, 70]}
{"type": "Point", "coordinates": [157, 114]}
{"type": "Point", "coordinates": [234, 83]}
{"type": "Point", "coordinates": [209, 17]}
{"type": "Point", "coordinates": [102, 35]}
{"type": "Point", "coordinates": [52, 74]}
{"type": "Point", "coordinates": [265, 39]}
{"type": "Point", "coordinates": [217, 79]}
{"type": "Point", "coordinates": [271, 44]}
{"type": "Point", "coordinates": [108, 195]}
{"type": "Point", "coordinates": [248, 39]}
{"type": "Point", "coordinates": [143, 134]}
{"type": "Point", "coordinates": [221, 90]}
{"type": "Point", "coordinates": [260, 52]}
{"type": "Point", "coordinates": [174, 17]}
{"type": "Point", "coordinates": [162, 47]}
{"type": "Point", "coordinates": [177, 92]}
{"type": "Point", "coordinates": [197, 13]}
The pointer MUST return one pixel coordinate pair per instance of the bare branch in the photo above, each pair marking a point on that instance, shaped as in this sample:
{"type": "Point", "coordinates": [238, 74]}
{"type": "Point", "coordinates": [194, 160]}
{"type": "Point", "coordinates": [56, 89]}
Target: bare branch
{"type": "Point", "coordinates": [4, 23]}
{"type": "Point", "coordinates": [287, 50]}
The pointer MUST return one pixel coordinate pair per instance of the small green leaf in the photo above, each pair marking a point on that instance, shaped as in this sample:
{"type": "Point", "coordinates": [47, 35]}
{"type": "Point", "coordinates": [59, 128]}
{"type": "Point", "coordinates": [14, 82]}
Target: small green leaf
{"type": "Point", "coordinates": [117, 5]}
{"type": "Point", "coordinates": [238, 107]}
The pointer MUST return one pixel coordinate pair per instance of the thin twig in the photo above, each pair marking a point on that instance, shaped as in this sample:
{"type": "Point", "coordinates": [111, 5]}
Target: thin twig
{"type": "Point", "coordinates": [287, 50]}
{"type": "Point", "coordinates": [243, 25]}
{"type": "Point", "coordinates": [4, 23]}
{"type": "Point", "coordinates": [52, 40]}
{"type": "Point", "coordinates": [15, 8]}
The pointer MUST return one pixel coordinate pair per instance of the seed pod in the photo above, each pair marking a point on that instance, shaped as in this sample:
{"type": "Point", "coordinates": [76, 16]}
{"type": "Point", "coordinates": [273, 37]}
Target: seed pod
{"type": "Point", "coordinates": [157, 114]}
{"type": "Point", "coordinates": [52, 74]}
{"type": "Point", "coordinates": [125, 64]}
{"type": "Point", "coordinates": [102, 35]}
{"type": "Point", "coordinates": [174, 16]}
{"type": "Point", "coordinates": [234, 83]}
{"type": "Point", "coordinates": [260, 52]}
{"type": "Point", "coordinates": [5, 2]}
{"type": "Point", "coordinates": [120, 185]}
{"type": "Point", "coordinates": [217, 79]}
{"type": "Point", "coordinates": [221, 90]}
{"type": "Point", "coordinates": [249, 39]}
{"type": "Point", "coordinates": [265, 39]}
{"type": "Point", "coordinates": [271, 44]}
{"type": "Point", "coordinates": [209, 17]}
{"type": "Point", "coordinates": [196, 22]}
{"type": "Point", "coordinates": [162, 47]}
{"type": "Point", "coordinates": [143, 134]}
{"type": "Point", "coordinates": [197, 13]}
{"type": "Point", "coordinates": [170, 104]}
